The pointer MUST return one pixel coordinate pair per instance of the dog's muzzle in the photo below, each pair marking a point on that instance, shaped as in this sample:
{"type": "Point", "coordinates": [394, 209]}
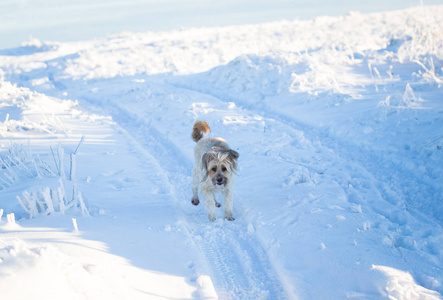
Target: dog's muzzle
{"type": "Point", "coordinates": [220, 182]}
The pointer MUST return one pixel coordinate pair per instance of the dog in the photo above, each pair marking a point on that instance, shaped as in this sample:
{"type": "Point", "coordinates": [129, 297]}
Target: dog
{"type": "Point", "coordinates": [214, 171]}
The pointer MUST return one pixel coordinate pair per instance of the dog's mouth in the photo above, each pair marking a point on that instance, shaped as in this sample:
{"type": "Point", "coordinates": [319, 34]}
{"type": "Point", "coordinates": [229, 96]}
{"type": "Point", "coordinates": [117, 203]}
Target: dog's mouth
{"type": "Point", "coordinates": [220, 182]}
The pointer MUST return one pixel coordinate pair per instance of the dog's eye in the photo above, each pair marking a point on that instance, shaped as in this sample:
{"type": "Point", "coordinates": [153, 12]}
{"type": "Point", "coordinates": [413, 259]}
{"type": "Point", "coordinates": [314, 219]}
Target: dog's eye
{"type": "Point", "coordinates": [224, 169]}
{"type": "Point", "coordinates": [214, 169]}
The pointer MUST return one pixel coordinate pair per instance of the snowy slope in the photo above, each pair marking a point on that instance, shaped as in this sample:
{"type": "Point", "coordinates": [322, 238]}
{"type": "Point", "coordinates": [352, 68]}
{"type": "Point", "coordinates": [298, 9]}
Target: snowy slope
{"type": "Point", "coordinates": [338, 122]}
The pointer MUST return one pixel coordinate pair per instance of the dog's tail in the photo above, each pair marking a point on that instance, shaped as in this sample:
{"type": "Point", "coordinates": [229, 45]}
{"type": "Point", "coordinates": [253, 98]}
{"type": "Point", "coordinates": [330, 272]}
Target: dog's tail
{"type": "Point", "coordinates": [200, 127]}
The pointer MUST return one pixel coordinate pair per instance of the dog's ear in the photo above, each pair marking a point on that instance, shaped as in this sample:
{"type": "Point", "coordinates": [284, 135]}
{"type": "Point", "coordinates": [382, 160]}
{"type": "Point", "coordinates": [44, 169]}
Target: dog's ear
{"type": "Point", "coordinates": [206, 159]}
{"type": "Point", "coordinates": [233, 156]}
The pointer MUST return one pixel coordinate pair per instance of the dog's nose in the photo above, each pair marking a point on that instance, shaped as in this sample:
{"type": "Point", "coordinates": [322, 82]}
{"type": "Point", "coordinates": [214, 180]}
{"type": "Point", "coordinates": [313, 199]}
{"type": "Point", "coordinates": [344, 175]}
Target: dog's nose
{"type": "Point", "coordinates": [219, 180]}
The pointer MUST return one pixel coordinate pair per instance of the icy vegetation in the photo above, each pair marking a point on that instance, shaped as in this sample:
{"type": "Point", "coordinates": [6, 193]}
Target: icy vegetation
{"type": "Point", "coordinates": [339, 126]}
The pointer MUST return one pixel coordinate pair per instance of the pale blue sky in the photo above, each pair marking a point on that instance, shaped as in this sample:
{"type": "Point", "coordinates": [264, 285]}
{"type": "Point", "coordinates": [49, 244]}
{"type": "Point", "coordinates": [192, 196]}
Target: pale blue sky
{"type": "Point", "coordinates": [71, 20]}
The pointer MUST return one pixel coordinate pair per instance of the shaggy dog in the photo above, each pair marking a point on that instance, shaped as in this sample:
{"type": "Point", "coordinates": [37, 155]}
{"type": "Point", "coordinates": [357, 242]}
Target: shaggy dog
{"type": "Point", "coordinates": [214, 171]}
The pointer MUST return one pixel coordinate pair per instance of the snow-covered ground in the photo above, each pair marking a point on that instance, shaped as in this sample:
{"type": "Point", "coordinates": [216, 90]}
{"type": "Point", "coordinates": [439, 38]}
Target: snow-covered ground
{"type": "Point", "coordinates": [339, 126]}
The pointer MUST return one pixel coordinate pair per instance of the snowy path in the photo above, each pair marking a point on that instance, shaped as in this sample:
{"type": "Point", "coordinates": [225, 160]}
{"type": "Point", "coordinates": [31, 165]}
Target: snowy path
{"type": "Point", "coordinates": [243, 257]}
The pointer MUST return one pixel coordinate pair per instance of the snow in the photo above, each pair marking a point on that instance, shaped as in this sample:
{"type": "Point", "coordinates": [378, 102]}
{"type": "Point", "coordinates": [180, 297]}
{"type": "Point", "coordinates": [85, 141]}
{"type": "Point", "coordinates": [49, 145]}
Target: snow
{"type": "Point", "coordinates": [338, 122]}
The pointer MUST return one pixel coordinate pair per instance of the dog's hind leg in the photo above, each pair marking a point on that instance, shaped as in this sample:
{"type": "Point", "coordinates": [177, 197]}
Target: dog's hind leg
{"type": "Point", "coordinates": [228, 202]}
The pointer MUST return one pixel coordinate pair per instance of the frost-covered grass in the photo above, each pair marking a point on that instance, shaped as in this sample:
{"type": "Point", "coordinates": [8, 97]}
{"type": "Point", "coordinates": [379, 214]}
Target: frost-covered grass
{"type": "Point", "coordinates": [20, 165]}
{"type": "Point", "coordinates": [50, 200]}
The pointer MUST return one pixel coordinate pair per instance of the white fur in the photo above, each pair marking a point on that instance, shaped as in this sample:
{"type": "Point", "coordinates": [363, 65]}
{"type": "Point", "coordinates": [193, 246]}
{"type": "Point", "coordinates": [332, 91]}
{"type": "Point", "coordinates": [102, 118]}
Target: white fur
{"type": "Point", "coordinates": [222, 159]}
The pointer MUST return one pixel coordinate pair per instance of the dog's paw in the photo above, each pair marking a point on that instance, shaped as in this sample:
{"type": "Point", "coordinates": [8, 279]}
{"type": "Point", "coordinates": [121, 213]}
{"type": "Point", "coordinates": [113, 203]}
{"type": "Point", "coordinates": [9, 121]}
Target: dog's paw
{"type": "Point", "coordinates": [195, 201]}
{"type": "Point", "coordinates": [230, 218]}
{"type": "Point", "coordinates": [211, 218]}
{"type": "Point", "coordinates": [217, 204]}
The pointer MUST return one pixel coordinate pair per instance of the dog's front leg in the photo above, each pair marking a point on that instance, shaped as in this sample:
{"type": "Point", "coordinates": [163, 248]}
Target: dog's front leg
{"type": "Point", "coordinates": [208, 197]}
{"type": "Point", "coordinates": [194, 186]}
{"type": "Point", "coordinates": [228, 202]}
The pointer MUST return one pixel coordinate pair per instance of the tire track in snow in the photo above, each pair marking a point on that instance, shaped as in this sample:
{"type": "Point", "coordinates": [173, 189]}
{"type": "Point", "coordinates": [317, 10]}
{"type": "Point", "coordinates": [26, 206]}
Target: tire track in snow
{"type": "Point", "coordinates": [240, 267]}
{"type": "Point", "coordinates": [241, 264]}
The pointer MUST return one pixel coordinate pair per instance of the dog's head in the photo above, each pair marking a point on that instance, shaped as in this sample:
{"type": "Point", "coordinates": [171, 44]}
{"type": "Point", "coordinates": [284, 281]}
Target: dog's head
{"type": "Point", "coordinates": [220, 166]}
